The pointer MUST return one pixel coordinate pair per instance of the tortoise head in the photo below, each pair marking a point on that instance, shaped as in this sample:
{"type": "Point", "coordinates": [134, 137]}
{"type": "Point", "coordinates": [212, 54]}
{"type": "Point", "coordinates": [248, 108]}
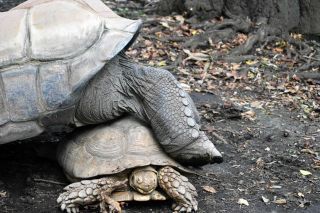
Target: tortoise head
{"type": "Point", "coordinates": [144, 179]}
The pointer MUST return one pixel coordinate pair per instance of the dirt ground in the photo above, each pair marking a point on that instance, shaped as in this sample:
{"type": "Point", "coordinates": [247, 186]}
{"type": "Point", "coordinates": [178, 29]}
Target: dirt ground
{"type": "Point", "coordinates": [270, 145]}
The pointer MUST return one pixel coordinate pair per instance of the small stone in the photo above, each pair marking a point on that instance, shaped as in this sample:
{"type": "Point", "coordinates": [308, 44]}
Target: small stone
{"type": "Point", "coordinates": [82, 194]}
{"type": "Point", "coordinates": [187, 112]}
{"type": "Point", "coordinates": [85, 182]}
{"type": "Point", "coordinates": [179, 85]}
{"type": "Point", "coordinates": [181, 190]}
{"type": "Point", "coordinates": [191, 122]}
{"type": "Point", "coordinates": [286, 133]}
{"type": "Point", "coordinates": [195, 133]}
{"type": "Point", "coordinates": [175, 184]}
{"type": "Point", "coordinates": [89, 191]}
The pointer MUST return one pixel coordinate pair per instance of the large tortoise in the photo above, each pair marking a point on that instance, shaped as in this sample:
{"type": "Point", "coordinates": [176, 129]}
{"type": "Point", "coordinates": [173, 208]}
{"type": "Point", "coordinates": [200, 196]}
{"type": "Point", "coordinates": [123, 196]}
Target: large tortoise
{"type": "Point", "coordinates": [121, 162]}
{"type": "Point", "coordinates": [62, 65]}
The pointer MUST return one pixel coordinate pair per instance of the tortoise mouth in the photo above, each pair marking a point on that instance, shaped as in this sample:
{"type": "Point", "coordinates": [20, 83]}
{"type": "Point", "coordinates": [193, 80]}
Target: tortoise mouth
{"type": "Point", "coordinates": [143, 191]}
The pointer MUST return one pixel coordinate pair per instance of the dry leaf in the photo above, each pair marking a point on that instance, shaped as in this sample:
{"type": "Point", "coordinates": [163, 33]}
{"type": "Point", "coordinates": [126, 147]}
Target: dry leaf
{"type": "Point", "coordinates": [264, 199]}
{"type": "Point", "coordinates": [249, 62]}
{"type": "Point", "coordinates": [165, 24]}
{"type": "Point", "coordinates": [280, 201]}
{"type": "Point", "coordinates": [162, 63]}
{"type": "Point", "coordinates": [305, 172]}
{"type": "Point", "coordinates": [196, 56]}
{"type": "Point", "coordinates": [3, 194]}
{"type": "Point", "coordinates": [242, 201]}
{"type": "Point", "coordinates": [308, 151]}
{"type": "Point", "coordinates": [209, 189]}
{"type": "Point", "coordinates": [250, 115]}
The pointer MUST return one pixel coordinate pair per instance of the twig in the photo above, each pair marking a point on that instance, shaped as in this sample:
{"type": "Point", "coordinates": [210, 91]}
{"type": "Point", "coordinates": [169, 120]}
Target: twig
{"type": "Point", "coordinates": [204, 176]}
{"type": "Point", "coordinates": [219, 137]}
{"type": "Point", "coordinates": [49, 181]}
{"type": "Point", "coordinates": [309, 57]}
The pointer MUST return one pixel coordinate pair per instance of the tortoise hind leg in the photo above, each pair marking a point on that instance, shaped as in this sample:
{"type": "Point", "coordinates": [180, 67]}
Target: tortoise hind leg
{"type": "Point", "coordinates": [179, 189]}
{"type": "Point", "coordinates": [89, 192]}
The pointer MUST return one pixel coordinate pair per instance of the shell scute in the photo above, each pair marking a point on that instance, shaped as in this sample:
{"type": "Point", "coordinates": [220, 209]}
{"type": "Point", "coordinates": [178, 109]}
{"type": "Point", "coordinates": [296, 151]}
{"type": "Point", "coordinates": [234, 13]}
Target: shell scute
{"type": "Point", "coordinates": [125, 144]}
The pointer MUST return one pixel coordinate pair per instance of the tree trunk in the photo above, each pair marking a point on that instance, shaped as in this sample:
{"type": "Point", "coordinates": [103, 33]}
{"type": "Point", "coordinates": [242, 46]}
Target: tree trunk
{"type": "Point", "coordinates": [287, 15]}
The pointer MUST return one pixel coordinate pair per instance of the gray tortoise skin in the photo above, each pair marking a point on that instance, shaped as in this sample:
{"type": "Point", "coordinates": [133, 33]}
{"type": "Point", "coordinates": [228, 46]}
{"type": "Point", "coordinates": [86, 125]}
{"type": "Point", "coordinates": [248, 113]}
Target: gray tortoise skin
{"type": "Point", "coordinates": [62, 65]}
{"type": "Point", "coordinates": [121, 162]}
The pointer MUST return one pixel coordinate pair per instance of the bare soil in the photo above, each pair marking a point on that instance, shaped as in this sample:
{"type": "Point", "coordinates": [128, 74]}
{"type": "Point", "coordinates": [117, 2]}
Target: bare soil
{"type": "Point", "coordinates": [268, 146]}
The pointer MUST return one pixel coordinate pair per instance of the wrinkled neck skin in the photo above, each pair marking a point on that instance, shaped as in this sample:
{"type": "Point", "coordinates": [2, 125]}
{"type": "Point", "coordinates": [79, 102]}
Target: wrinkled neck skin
{"type": "Point", "coordinates": [154, 96]}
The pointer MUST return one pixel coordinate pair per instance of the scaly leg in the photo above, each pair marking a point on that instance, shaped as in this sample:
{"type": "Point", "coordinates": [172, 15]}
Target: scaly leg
{"type": "Point", "coordinates": [91, 191]}
{"type": "Point", "coordinates": [155, 96]}
{"type": "Point", "coordinates": [179, 189]}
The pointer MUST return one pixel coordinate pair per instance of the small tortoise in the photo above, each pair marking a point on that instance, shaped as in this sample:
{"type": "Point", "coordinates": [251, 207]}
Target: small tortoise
{"type": "Point", "coordinates": [62, 65]}
{"type": "Point", "coordinates": [122, 154]}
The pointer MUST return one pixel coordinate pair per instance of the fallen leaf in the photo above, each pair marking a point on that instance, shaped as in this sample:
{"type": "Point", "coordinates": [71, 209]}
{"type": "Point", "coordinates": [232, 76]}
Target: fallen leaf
{"type": "Point", "coordinates": [305, 172]}
{"type": "Point", "coordinates": [256, 104]}
{"type": "Point", "coordinates": [196, 56]}
{"type": "Point", "coordinates": [265, 200]}
{"type": "Point", "coordinates": [275, 187]}
{"type": "Point", "coordinates": [249, 62]}
{"type": "Point", "coordinates": [280, 201]}
{"type": "Point", "coordinates": [165, 24]}
{"type": "Point", "coordinates": [242, 201]}
{"type": "Point", "coordinates": [3, 194]}
{"type": "Point", "coordinates": [162, 63]}
{"type": "Point", "coordinates": [309, 151]}
{"type": "Point", "coordinates": [250, 115]}
{"type": "Point", "coordinates": [209, 189]}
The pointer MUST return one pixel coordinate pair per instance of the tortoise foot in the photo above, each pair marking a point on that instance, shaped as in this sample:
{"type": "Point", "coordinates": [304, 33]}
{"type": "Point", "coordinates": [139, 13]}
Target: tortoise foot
{"type": "Point", "coordinates": [179, 189]}
{"type": "Point", "coordinates": [109, 205]}
{"type": "Point", "coordinates": [89, 192]}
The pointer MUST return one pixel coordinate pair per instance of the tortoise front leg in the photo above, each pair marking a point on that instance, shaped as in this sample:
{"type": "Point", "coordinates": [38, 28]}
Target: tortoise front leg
{"type": "Point", "coordinates": [109, 205]}
{"type": "Point", "coordinates": [179, 189]}
{"type": "Point", "coordinates": [89, 192]}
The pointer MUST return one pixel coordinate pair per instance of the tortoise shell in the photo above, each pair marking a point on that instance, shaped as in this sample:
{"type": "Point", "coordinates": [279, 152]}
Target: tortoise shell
{"type": "Point", "coordinates": [111, 149]}
{"type": "Point", "coordinates": [49, 50]}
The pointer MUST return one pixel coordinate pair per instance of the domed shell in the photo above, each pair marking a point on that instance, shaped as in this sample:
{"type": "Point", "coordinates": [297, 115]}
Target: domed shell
{"type": "Point", "coordinates": [49, 50]}
{"type": "Point", "coordinates": [111, 149]}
